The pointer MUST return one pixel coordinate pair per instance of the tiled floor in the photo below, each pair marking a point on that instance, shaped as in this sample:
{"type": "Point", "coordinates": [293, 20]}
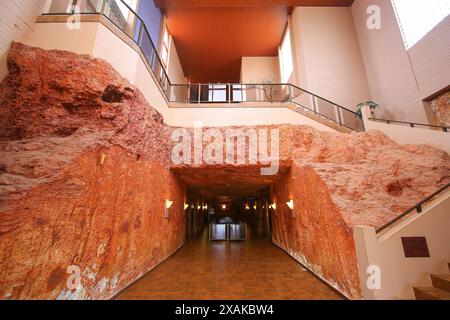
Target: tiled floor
{"type": "Point", "coordinates": [252, 270]}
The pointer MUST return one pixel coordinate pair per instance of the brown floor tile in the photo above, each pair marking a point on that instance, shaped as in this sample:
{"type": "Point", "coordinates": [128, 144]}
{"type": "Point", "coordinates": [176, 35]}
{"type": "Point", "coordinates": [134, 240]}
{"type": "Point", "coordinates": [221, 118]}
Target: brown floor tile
{"type": "Point", "coordinates": [252, 270]}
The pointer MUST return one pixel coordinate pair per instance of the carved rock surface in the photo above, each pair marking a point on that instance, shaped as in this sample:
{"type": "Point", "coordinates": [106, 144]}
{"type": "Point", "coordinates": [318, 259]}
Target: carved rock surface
{"type": "Point", "coordinates": [81, 193]}
{"type": "Point", "coordinates": [85, 168]}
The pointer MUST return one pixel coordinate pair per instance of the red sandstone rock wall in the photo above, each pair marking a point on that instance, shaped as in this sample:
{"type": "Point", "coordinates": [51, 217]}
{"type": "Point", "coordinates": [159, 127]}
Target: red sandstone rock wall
{"type": "Point", "coordinates": [315, 233]}
{"type": "Point", "coordinates": [59, 206]}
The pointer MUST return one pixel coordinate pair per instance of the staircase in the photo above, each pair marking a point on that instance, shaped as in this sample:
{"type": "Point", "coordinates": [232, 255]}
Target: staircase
{"type": "Point", "coordinates": [439, 291]}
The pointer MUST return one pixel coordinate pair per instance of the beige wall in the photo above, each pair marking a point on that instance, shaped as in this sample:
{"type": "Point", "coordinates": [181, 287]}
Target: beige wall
{"type": "Point", "coordinates": [327, 58]}
{"type": "Point", "coordinates": [240, 116]}
{"type": "Point", "coordinates": [16, 19]}
{"type": "Point", "coordinates": [260, 69]}
{"type": "Point", "coordinates": [398, 273]}
{"type": "Point", "coordinates": [399, 80]}
{"type": "Point", "coordinates": [175, 72]}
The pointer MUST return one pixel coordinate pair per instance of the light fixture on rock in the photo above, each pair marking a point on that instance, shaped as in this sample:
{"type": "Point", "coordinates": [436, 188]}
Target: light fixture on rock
{"type": "Point", "coordinates": [167, 207]}
{"type": "Point", "coordinates": [290, 204]}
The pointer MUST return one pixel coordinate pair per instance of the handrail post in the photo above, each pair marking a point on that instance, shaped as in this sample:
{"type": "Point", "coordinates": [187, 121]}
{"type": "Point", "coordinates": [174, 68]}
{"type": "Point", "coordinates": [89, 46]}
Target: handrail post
{"type": "Point", "coordinates": [188, 98]}
{"type": "Point", "coordinates": [339, 114]}
{"type": "Point", "coordinates": [314, 104]}
{"type": "Point", "coordinates": [169, 89]}
{"type": "Point", "coordinates": [139, 40]}
{"type": "Point", "coordinates": [103, 7]}
{"type": "Point", "coordinates": [199, 93]}
{"type": "Point", "coordinates": [229, 92]}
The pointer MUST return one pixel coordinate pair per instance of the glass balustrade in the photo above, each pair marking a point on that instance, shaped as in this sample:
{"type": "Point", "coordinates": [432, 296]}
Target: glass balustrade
{"type": "Point", "coordinates": [123, 16]}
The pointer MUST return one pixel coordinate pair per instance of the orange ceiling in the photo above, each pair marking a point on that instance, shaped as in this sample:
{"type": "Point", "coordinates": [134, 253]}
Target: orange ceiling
{"type": "Point", "coordinates": [211, 36]}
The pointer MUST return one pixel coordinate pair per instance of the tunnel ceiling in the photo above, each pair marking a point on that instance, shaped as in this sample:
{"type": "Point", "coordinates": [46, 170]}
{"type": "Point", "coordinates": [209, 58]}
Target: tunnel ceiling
{"type": "Point", "coordinates": [212, 36]}
{"type": "Point", "coordinates": [226, 182]}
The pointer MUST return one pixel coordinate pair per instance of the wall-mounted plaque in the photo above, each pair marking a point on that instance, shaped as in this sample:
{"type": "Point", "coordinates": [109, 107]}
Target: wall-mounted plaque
{"type": "Point", "coordinates": [415, 247]}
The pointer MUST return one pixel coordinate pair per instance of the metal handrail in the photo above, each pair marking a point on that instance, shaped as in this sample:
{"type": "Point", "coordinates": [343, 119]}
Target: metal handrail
{"type": "Point", "coordinates": [418, 207]}
{"type": "Point", "coordinates": [411, 124]}
{"type": "Point", "coordinates": [141, 27]}
{"type": "Point", "coordinates": [164, 80]}
{"type": "Point", "coordinates": [290, 97]}
{"type": "Point", "coordinates": [151, 41]}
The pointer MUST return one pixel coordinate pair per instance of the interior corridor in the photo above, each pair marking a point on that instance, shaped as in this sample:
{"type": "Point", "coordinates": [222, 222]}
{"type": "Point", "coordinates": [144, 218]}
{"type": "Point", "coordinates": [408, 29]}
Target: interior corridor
{"type": "Point", "coordinates": [254, 269]}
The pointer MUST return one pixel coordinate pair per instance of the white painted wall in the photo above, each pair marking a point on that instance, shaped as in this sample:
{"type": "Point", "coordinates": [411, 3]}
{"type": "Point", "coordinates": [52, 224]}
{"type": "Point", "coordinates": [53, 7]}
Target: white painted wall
{"type": "Point", "coordinates": [240, 116]}
{"type": "Point", "coordinates": [258, 69]}
{"type": "Point", "coordinates": [327, 58]}
{"type": "Point", "coordinates": [398, 273]}
{"type": "Point", "coordinates": [399, 80]}
{"type": "Point", "coordinates": [404, 134]}
{"type": "Point", "coordinates": [16, 19]}
{"type": "Point", "coordinates": [175, 72]}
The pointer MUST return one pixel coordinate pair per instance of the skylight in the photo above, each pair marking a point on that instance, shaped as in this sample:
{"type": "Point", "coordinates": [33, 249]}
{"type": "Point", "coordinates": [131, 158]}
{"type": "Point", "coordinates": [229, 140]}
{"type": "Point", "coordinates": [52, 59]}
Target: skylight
{"type": "Point", "coordinates": [417, 17]}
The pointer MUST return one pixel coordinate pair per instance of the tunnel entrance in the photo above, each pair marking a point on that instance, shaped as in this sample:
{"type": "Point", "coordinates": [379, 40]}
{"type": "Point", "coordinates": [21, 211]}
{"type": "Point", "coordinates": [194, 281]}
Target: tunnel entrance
{"type": "Point", "coordinates": [236, 197]}
{"type": "Point", "coordinates": [254, 268]}
{"type": "Point", "coordinates": [228, 215]}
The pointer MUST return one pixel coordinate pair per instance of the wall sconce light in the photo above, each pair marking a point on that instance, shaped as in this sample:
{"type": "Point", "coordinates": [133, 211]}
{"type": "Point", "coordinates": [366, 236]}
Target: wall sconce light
{"type": "Point", "coordinates": [186, 205]}
{"type": "Point", "coordinates": [273, 206]}
{"type": "Point", "coordinates": [254, 207]}
{"type": "Point", "coordinates": [247, 207]}
{"type": "Point", "coordinates": [224, 206]}
{"type": "Point", "coordinates": [101, 159]}
{"type": "Point", "coordinates": [167, 207]}
{"type": "Point", "coordinates": [199, 207]}
{"type": "Point", "coordinates": [290, 204]}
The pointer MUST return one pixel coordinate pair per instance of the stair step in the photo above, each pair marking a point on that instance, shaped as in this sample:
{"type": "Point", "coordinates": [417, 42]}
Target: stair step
{"type": "Point", "coordinates": [441, 281]}
{"type": "Point", "coordinates": [430, 293]}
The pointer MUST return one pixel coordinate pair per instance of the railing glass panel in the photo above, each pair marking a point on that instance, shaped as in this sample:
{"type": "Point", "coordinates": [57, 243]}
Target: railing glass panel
{"type": "Point", "coordinates": [123, 16]}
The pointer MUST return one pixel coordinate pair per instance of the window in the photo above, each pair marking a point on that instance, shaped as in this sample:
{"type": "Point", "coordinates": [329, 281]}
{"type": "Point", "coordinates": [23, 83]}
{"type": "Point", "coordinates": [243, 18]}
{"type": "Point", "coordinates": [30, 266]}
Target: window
{"type": "Point", "coordinates": [123, 8]}
{"type": "Point", "coordinates": [217, 93]}
{"type": "Point", "coordinates": [417, 17]}
{"type": "Point", "coordinates": [287, 65]}
{"type": "Point", "coordinates": [165, 48]}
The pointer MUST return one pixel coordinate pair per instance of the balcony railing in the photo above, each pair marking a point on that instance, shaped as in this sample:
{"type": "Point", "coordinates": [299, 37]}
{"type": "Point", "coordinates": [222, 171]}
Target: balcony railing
{"type": "Point", "coordinates": [128, 21]}
{"type": "Point", "coordinates": [413, 124]}
{"type": "Point", "coordinates": [213, 93]}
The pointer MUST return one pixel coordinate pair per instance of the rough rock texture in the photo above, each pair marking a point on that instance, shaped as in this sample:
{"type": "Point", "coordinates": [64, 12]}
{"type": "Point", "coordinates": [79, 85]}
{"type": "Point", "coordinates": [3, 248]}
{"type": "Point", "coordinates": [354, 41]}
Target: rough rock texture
{"type": "Point", "coordinates": [441, 108]}
{"type": "Point", "coordinates": [85, 169]}
{"type": "Point", "coordinates": [337, 181]}
{"type": "Point", "coordinates": [61, 116]}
